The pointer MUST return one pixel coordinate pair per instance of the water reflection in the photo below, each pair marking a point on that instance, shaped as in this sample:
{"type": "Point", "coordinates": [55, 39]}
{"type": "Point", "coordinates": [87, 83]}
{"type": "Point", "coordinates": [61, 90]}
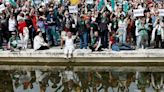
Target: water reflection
{"type": "Point", "coordinates": [70, 81]}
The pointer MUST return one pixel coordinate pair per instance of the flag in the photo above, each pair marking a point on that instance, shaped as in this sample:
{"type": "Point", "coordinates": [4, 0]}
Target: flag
{"type": "Point", "coordinates": [101, 3]}
{"type": "Point", "coordinates": [75, 2]}
{"type": "Point", "coordinates": [125, 6]}
{"type": "Point", "coordinates": [12, 2]}
{"type": "Point", "coordinates": [113, 4]}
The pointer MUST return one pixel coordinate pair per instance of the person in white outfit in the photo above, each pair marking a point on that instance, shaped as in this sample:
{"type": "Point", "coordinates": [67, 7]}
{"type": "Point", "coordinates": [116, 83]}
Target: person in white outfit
{"type": "Point", "coordinates": [39, 43]}
{"type": "Point", "coordinates": [158, 34]}
{"type": "Point", "coordinates": [25, 37]}
{"type": "Point", "coordinates": [12, 24]}
{"type": "Point", "coordinates": [69, 45]}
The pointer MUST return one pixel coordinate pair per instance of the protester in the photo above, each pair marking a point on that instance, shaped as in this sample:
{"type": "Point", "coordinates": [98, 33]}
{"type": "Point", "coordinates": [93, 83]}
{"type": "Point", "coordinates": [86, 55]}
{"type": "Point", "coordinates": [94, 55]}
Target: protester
{"type": "Point", "coordinates": [104, 30]}
{"type": "Point", "coordinates": [39, 43]}
{"type": "Point", "coordinates": [115, 45]}
{"type": "Point", "coordinates": [83, 34]}
{"type": "Point", "coordinates": [143, 33]}
{"type": "Point", "coordinates": [122, 32]}
{"type": "Point", "coordinates": [30, 28]}
{"type": "Point", "coordinates": [69, 45]}
{"type": "Point", "coordinates": [13, 42]}
{"type": "Point", "coordinates": [158, 34]}
{"type": "Point", "coordinates": [96, 42]}
{"type": "Point", "coordinates": [12, 24]}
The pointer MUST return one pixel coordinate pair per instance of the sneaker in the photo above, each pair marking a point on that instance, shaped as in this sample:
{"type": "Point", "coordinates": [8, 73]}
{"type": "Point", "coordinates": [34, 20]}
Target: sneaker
{"type": "Point", "coordinates": [69, 57]}
{"type": "Point", "coordinates": [65, 57]}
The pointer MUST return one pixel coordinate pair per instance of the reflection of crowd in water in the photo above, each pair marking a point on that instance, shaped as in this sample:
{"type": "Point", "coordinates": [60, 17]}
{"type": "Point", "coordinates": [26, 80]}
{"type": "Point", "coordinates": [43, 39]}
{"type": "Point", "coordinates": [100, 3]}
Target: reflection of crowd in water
{"type": "Point", "coordinates": [70, 81]}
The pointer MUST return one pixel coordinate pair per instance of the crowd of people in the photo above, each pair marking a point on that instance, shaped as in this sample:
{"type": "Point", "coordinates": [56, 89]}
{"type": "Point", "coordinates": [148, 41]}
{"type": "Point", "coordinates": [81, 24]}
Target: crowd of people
{"type": "Point", "coordinates": [98, 25]}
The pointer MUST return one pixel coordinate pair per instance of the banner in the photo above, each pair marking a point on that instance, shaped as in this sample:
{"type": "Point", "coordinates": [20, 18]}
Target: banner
{"type": "Point", "coordinates": [73, 9]}
{"type": "Point", "coordinates": [2, 7]}
{"type": "Point", "coordinates": [89, 1]}
{"type": "Point", "coordinates": [138, 12]}
{"type": "Point", "coordinates": [161, 12]}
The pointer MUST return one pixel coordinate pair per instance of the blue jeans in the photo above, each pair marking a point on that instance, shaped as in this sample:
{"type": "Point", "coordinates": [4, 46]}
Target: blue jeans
{"type": "Point", "coordinates": [138, 41]}
{"type": "Point", "coordinates": [84, 40]}
{"type": "Point", "coordinates": [122, 38]}
{"type": "Point", "coordinates": [32, 34]}
{"type": "Point", "coordinates": [52, 34]}
{"type": "Point", "coordinates": [117, 47]}
{"type": "Point", "coordinates": [104, 38]}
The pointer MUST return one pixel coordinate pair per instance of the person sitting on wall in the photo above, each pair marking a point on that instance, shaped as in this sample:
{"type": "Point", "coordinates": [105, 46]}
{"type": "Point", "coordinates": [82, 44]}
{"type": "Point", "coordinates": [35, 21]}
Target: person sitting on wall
{"type": "Point", "coordinates": [69, 45]}
{"type": "Point", "coordinates": [13, 42]}
{"type": "Point", "coordinates": [39, 43]}
{"type": "Point", "coordinates": [96, 42]}
{"type": "Point", "coordinates": [115, 45]}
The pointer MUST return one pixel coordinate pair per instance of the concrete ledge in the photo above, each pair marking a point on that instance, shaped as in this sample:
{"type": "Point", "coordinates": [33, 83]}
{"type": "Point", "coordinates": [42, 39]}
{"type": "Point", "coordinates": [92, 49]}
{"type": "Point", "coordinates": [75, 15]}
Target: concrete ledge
{"type": "Point", "coordinates": [58, 53]}
{"type": "Point", "coordinates": [148, 60]}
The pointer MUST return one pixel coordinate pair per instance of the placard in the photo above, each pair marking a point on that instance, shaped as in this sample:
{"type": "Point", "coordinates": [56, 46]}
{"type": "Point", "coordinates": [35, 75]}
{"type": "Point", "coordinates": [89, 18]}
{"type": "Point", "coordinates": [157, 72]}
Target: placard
{"type": "Point", "coordinates": [2, 7]}
{"type": "Point", "coordinates": [73, 9]}
{"type": "Point", "coordinates": [89, 1]}
{"type": "Point", "coordinates": [138, 12]}
{"type": "Point", "coordinates": [37, 2]}
{"type": "Point", "coordinates": [161, 12]}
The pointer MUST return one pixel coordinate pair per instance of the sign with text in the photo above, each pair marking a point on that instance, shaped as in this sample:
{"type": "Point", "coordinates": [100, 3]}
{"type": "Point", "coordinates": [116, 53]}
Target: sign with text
{"type": "Point", "coordinates": [161, 12]}
{"type": "Point", "coordinates": [138, 12]}
{"type": "Point", "coordinates": [89, 1]}
{"type": "Point", "coordinates": [73, 9]}
{"type": "Point", "coordinates": [2, 7]}
{"type": "Point", "coordinates": [37, 2]}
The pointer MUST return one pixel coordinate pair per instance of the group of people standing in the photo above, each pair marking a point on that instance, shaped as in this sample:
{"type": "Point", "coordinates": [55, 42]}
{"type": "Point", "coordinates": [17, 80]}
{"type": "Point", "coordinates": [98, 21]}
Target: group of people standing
{"type": "Point", "coordinates": [104, 24]}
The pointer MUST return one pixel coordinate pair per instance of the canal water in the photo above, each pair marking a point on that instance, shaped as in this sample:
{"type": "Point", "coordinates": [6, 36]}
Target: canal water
{"type": "Point", "coordinates": [80, 81]}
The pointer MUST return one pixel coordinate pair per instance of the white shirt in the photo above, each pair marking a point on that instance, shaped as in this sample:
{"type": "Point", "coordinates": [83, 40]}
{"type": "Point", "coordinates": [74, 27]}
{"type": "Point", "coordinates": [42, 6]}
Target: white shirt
{"type": "Point", "coordinates": [69, 42]}
{"type": "Point", "coordinates": [137, 22]}
{"type": "Point", "coordinates": [12, 24]}
{"type": "Point", "coordinates": [122, 24]}
{"type": "Point", "coordinates": [38, 42]}
{"type": "Point", "coordinates": [19, 18]}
